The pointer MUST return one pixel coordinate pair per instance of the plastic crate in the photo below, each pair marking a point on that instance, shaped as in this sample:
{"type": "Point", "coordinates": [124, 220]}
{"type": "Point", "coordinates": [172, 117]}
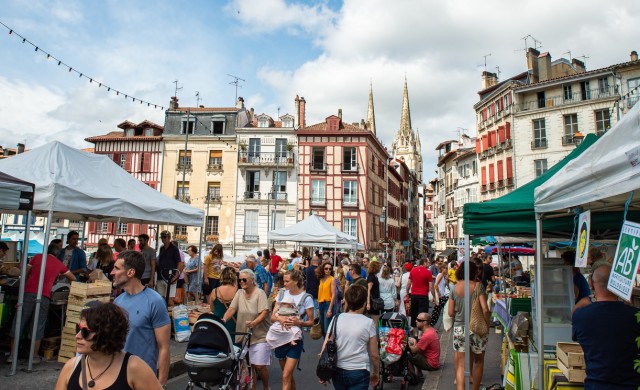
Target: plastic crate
{"type": "Point", "coordinates": [519, 304]}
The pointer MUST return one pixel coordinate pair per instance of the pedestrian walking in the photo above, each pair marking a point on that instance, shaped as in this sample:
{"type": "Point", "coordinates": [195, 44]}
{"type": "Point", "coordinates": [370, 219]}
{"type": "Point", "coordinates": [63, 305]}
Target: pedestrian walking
{"type": "Point", "coordinates": [419, 285]}
{"type": "Point", "coordinates": [373, 288]}
{"type": "Point", "coordinates": [404, 291]}
{"type": "Point", "coordinates": [221, 297]}
{"type": "Point", "coordinates": [388, 291]}
{"type": "Point", "coordinates": [212, 269]}
{"type": "Point", "coordinates": [194, 283]}
{"type": "Point", "coordinates": [442, 294]}
{"type": "Point", "coordinates": [326, 294]}
{"type": "Point", "coordinates": [149, 260]}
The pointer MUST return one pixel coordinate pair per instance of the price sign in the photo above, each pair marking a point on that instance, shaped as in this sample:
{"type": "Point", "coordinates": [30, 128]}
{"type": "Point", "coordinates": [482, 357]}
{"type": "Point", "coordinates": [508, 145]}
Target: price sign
{"type": "Point", "coordinates": [625, 263]}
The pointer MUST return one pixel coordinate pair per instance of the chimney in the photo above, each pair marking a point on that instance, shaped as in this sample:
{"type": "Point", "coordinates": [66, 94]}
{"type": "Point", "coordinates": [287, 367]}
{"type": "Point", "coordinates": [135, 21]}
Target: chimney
{"type": "Point", "coordinates": [201, 106]}
{"type": "Point", "coordinates": [578, 65]}
{"type": "Point", "coordinates": [340, 113]}
{"type": "Point", "coordinates": [20, 148]}
{"type": "Point", "coordinates": [252, 114]}
{"type": "Point", "coordinates": [240, 103]}
{"type": "Point", "coordinates": [173, 103]}
{"type": "Point", "coordinates": [296, 112]}
{"type": "Point", "coordinates": [489, 79]}
{"type": "Point", "coordinates": [544, 66]}
{"type": "Point", "coordinates": [532, 64]}
{"type": "Point", "coordinates": [303, 120]}
{"type": "Point", "coordinates": [363, 125]}
{"type": "Point", "coordinates": [634, 56]}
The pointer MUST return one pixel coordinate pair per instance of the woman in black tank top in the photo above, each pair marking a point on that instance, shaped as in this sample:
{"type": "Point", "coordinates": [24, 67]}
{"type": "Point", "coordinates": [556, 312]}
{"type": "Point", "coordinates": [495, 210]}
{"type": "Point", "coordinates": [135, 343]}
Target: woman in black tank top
{"type": "Point", "coordinates": [102, 365]}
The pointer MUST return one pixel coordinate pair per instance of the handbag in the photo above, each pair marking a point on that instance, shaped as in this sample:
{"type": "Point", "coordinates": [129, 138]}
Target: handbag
{"type": "Point", "coordinates": [377, 304]}
{"type": "Point", "coordinates": [477, 323]}
{"type": "Point", "coordinates": [328, 362]}
{"type": "Point", "coordinates": [447, 320]}
{"type": "Point", "coordinates": [316, 330]}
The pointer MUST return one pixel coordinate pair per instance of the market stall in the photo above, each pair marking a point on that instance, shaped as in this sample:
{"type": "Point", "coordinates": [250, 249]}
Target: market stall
{"type": "Point", "coordinates": [83, 186]}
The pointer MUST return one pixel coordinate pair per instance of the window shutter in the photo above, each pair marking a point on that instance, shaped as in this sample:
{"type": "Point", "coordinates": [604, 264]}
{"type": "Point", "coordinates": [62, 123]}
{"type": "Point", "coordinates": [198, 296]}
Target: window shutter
{"type": "Point", "coordinates": [509, 168]}
{"type": "Point", "coordinates": [492, 138]}
{"type": "Point", "coordinates": [484, 175]}
{"type": "Point", "coordinates": [91, 228]}
{"type": "Point", "coordinates": [492, 174]}
{"type": "Point", "coordinates": [485, 142]}
{"type": "Point", "coordinates": [146, 162]}
{"type": "Point", "coordinates": [508, 130]}
{"type": "Point", "coordinates": [500, 175]}
{"type": "Point", "coordinates": [111, 228]}
{"type": "Point", "coordinates": [127, 164]}
{"type": "Point", "coordinates": [501, 134]}
{"type": "Point", "coordinates": [116, 158]}
{"type": "Point", "coordinates": [478, 147]}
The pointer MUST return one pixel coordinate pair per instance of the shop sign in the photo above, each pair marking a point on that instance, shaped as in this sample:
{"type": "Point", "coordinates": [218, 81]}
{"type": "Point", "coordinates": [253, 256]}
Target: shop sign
{"type": "Point", "coordinates": [584, 228]}
{"type": "Point", "coordinates": [625, 262]}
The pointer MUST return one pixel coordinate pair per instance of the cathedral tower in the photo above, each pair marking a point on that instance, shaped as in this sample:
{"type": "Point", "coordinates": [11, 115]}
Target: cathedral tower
{"type": "Point", "coordinates": [406, 144]}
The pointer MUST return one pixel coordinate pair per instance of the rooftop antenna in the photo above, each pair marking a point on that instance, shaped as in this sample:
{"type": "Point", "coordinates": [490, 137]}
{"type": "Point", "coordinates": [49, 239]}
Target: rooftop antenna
{"type": "Point", "coordinates": [584, 57]}
{"type": "Point", "coordinates": [485, 60]}
{"type": "Point", "coordinates": [568, 52]}
{"type": "Point", "coordinates": [175, 93]}
{"type": "Point", "coordinates": [498, 71]}
{"type": "Point", "coordinates": [278, 112]}
{"type": "Point", "coordinates": [236, 81]}
{"type": "Point", "coordinates": [536, 43]}
{"type": "Point", "coordinates": [198, 99]}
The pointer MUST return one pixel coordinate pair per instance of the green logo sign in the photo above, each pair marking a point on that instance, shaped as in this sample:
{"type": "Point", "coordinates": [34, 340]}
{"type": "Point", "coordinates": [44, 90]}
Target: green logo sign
{"type": "Point", "coordinates": [626, 260]}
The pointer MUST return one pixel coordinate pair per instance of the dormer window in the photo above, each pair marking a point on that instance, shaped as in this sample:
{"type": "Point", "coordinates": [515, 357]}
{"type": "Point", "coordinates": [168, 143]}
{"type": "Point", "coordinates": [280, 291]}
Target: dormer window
{"type": "Point", "coordinates": [287, 120]}
{"type": "Point", "coordinates": [263, 123]}
{"type": "Point", "coordinates": [148, 132]}
{"type": "Point", "coordinates": [129, 132]}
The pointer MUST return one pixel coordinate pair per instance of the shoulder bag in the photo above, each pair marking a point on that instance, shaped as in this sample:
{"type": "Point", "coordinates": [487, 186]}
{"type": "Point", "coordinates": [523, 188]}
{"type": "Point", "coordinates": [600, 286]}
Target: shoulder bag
{"type": "Point", "coordinates": [477, 322]}
{"type": "Point", "coordinates": [328, 362]}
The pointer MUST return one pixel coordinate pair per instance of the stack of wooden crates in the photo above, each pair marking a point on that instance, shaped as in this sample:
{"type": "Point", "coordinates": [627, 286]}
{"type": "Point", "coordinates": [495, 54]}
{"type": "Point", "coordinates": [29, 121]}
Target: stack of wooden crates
{"type": "Point", "coordinates": [80, 294]}
{"type": "Point", "coordinates": [571, 361]}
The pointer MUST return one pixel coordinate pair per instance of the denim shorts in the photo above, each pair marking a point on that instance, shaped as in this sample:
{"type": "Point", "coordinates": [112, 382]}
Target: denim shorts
{"type": "Point", "coordinates": [351, 379]}
{"type": "Point", "coordinates": [289, 351]}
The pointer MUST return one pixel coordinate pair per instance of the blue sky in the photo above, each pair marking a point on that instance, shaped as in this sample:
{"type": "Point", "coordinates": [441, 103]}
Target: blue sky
{"type": "Point", "coordinates": [327, 51]}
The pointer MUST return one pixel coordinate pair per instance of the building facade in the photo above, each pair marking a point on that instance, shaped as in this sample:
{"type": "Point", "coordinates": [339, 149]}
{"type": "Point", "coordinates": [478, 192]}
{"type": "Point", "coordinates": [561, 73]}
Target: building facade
{"type": "Point", "coordinates": [466, 186]}
{"type": "Point", "coordinates": [137, 148]}
{"type": "Point", "coordinates": [199, 167]}
{"type": "Point", "coordinates": [447, 178]}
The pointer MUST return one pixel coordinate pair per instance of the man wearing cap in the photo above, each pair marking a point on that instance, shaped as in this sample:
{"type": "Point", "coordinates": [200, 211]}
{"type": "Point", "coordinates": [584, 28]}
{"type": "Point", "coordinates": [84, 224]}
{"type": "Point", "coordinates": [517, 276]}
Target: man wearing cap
{"type": "Point", "coordinates": [168, 262]}
{"type": "Point", "coordinates": [149, 323]}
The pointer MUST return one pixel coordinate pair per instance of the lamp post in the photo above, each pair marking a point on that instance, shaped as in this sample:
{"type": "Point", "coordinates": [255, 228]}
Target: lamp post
{"type": "Point", "coordinates": [578, 137]}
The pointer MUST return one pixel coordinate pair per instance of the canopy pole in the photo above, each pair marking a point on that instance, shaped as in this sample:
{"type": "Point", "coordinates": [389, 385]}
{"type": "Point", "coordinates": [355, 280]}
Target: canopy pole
{"type": "Point", "coordinates": [200, 272]}
{"type": "Point", "coordinates": [538, 287]}
{"type": "Point", "coordinates": [23, 282]}
{"type": "Point", "coordinates": [36, 314]}
{"type": "Point", "coordinates": [467, 311]}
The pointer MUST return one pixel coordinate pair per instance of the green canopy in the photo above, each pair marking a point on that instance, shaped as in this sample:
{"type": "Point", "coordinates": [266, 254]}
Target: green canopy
{"type": "Point", "coordinates": [513, 214]}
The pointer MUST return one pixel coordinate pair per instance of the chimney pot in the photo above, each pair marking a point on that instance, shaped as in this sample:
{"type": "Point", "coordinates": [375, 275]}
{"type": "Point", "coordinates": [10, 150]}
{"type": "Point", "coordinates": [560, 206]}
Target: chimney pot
{"type": "Point", "coordinates": [634, 56]}
{"type": "Point", "coordinates": [20, 148]}
{"type": "Point", "coordinates": [340, 113]}
{"type": "Point", "coordinates": [489, 79]}
{"type": "Point", "coordinates": [173, 103]}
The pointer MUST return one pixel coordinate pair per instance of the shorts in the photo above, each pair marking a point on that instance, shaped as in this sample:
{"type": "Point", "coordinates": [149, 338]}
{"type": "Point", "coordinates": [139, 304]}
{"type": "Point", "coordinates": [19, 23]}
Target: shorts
{"type": "Point", "coordinates": [289, 351]}
{"type": "Point", "coordinates": [161, 288]}
{"type": "Point", "coordinates": [28, 310]}
{"type": "Point", "coordinates": [478, 344]}
{"type": "Point", "coordinates": [260, 354]}
{"type": "Point", "coordinates": [420, 361]}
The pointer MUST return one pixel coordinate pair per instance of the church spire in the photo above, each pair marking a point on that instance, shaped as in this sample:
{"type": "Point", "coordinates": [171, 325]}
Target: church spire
{"type": "Point", "coordinates": [405, 120]}
{"type": "Point", "coordinates": [418, 145]}
{"type": "Point", "coordinates": [371, 118]}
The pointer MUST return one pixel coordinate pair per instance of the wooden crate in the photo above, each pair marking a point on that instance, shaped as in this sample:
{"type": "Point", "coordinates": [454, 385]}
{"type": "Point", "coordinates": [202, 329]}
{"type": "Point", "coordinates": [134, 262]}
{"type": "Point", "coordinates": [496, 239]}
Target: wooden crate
{"type": "Point", "coordinates": [576, 375]}
{"type": "Point", "coordinates": [571, 355]}
{"type": "Point", "coordinates": [99, 287]}
{"type": "Point", "coordinates": [81, 300]}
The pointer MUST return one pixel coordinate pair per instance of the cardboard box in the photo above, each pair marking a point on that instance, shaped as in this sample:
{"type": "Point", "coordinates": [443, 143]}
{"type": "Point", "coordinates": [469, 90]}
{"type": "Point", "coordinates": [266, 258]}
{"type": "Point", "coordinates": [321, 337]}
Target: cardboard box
{"type": "Point", "coordinates": [99, 287]}
{"type": "Point", "coordinates": [571, 355]}
{"type": "Point", "coordinates": [576, 375]}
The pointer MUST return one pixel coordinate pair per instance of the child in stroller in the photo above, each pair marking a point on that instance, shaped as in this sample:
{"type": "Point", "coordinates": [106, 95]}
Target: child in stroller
{"type": "Point", "coordinates": [393, 329]}
{"type": "Point", "coordinates": [213, 360]}
{"type": "Point", "coordinates": [280, 335]}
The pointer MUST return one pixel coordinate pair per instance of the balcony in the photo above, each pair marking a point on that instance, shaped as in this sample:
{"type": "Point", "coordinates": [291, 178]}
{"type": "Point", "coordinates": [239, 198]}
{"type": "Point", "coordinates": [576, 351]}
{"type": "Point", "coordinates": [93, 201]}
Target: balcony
{"type": "Point", "coordinates": [252, 195]}
{"type": "Point", "coordinates": [318, 202]}
{"type": "Point", "coordinates": [214, 168]}
{"type": "Point", "coordinates": [212, 238]}
{"type": "Point", "coordinates": [264, 159]}
{"type": "Point", "coordinates": [632, 101]}
{"type": "Point", "coordinates": [508, 143]}
{"type": "Point", "coordinates": [510, 182]}
{"type": "Point", "coordinates": [318, 167]}
{"type": "Point", "coordinates": [278, 195]}
{"type": "Point", "coordinates": [565, 100]}
{"type": "Point", "coordinates": [250, 238]}
{"type": "Point", "coordinates": [183, 198]}
{"type": "Point", "coordinates": [352, 204]}
{"type": "Point", "coordinates": [349, 168]}
{"type": "Point", "coordinates": [568, 140]}
{"type": "Point", "coordinates": [214, 198]}
{"type": "Point", "coordinates": [483, 188]}
{"type": "Point", "coordinates": [492, 186]}
{"type": "Point", "coordinates": [539, 144]}
{"type": "Point", "coordinates": [184, 167]}
{"type": "Point", "coordinates": [500, 183]}
{"type": "Point", "coordinates": [483, 155]}
{"type": "Point", "coordinates": [491, 151]}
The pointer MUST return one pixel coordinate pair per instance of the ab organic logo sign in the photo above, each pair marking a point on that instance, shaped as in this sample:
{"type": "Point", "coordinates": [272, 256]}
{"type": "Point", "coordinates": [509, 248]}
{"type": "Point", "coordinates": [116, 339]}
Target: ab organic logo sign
{"type": "Point", "coordinates": [626, 261]}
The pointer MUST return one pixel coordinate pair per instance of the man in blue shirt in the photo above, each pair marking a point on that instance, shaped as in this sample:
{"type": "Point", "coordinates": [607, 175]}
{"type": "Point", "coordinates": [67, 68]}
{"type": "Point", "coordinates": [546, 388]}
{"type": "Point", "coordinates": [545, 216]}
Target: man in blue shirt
{"type": "Point", "coordinates": [73, 257]}
{"type": "Point", "coordinates": [149, 323]}
{"type": "Point", "coordinates": [262, 279]}
{"type": "Point", "coordinates": [607, 330]}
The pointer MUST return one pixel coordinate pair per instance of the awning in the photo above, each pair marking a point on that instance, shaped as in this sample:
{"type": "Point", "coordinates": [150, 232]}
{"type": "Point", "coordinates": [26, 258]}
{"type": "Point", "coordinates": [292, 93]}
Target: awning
{"type": "Point", "coordinates": [447, 252]}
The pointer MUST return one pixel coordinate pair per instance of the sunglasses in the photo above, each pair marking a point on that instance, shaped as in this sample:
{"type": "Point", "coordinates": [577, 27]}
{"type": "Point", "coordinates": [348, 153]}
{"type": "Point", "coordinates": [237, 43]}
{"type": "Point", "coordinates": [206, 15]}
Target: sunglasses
{"type": "Point", "coordinates": [243, 280]}
{"type": "Point", "coordinates": [84, 331]}
{"type": "Point", "coordinates": [327, 269]}
{"type": "Point", "coordinates": [419, 320]}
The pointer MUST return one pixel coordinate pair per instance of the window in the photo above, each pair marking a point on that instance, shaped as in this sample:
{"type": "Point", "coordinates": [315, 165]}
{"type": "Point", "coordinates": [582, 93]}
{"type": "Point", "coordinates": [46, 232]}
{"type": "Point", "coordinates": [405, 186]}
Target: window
{"type": "Point", "coordinates": [585, 92]}
{"type": "Point", "coordinates": [603, 121]}
{"type": "Point", "coordinates": [287, 122]}
{"type": "Point", "coordinates": [603, 86]}
{"type": "Point", "coordinates": [212, 226]}
{"type": "Point", "coordinates": [145, 162]}
{"type": "Point", "coordinates": [317, 192]}
{"type": "Point", "coordinates": [122, 228]}
{"type": "Point", "coordinates": [281, 148]}
{"type": "Point", "coordinates": [568, 94]}
{"type": "Point", "coordinates": [541, 100]}
{"type": "Point", "coordinates": [123, 161]}
{"type": "Point", "coordinates": [349, 226]}
{"type": "Point", "coordinates": [540, 166]}
{"type": "Point", "coordinates": [318, 158]}
{"type": "Point", "coordinates": [253, 185]}
{"type": "Point", "coordinates": [148, 132]}
{"type": "Point", "coordinates": [263, 123]}
{"type": "Point", "coordinates": [570, 128]}
{"type": "Point", "coordinates": [181, 230]}
{"type": "Point", "coordinates": [187, 127]}
{"type": "Point", "coordinates": [103, 227]}
{"type": "Point", "coordinates": [349, 193]}
{"type": "Point", "coordinates": [182, 192]}
{"type": "Point", "coordinates": [217, 126]}
{"type": "Point", "coordinates": [633, 85]}
{"type": "Point", "coordinates": [129, 132]}
{"type": "Point", "coordinates": [539, 134]}
{"type": "Point", "coordinates": [184, 159]}
{"type": "Point", "coordinates": [278, 219]}
{"type": "Point", "coordinates": [254, 149]}
{"type": "Point", "coordinates": [349, 159]}
{"type": "Point", "coordinates": [250, 226]}
{"type": "Point", "coordinates": [215, 158]}
{"type": "Point", "coordinates": [279, 185]}
{"type": "Point", "coordinates": [213, 191]}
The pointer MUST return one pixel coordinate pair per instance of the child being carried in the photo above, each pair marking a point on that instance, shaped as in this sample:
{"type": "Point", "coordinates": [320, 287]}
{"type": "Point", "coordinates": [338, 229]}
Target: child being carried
{"type": "Point", "coordinates": [280, 335]}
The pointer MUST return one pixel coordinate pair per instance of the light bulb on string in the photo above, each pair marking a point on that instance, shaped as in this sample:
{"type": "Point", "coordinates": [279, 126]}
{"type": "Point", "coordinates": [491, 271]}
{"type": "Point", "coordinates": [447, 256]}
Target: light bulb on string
{"type": "Point", "coordinates": [59, 62]}
{"type": "Point", "coordinates": [24, 40]}
{"type": "Point", "coordinates": [36, 48]}
{"type": "Point", "coordinates": [10, 32]}
{"type": "Point", "coordinates": [70, 69]}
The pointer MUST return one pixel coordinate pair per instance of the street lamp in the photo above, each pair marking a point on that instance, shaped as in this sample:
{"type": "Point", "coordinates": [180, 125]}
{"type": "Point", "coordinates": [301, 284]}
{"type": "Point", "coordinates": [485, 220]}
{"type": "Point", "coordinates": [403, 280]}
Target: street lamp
{"type": "Point", "coordinates": [578, 137]}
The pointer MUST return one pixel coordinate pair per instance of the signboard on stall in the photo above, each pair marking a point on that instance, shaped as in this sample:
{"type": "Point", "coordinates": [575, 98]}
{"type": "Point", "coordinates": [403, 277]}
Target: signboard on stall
{"type": "Point", "coordinates": [625, 262]}
{"type": "Point", "coordinates": [584, 229]}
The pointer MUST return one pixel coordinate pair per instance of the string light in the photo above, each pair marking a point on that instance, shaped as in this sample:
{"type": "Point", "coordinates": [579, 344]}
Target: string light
{"type": "Point", "coordinates": [70, 69]}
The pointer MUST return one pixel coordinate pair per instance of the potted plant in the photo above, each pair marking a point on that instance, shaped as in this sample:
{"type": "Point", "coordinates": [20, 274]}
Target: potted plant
{"type": "Point", "coordinates": [289, 147]}
{"type": "Point", "coordinates": [243, 151]}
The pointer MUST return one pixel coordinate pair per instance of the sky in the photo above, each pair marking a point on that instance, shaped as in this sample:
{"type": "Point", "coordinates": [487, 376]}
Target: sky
{"type": "Point", "coordinates": [328, 51]}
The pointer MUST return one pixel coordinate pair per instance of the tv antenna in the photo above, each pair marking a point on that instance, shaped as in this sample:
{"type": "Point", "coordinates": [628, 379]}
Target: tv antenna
{"type": "Point", "coordinates": [236, 81]}
{"type": "Point", "coordinates": [278, 112]}
{"type": "Point", "coordinates": [568, 52]}
{"type": "Point", "coordinates": [198, 99]}
{"type": "Point", "coordinates": [485, 60]}
{"type": "Point", "coordinates": [175, 93]}
{"type": "Point", "coordinates": [498, 71]}
{"type": "Point", "coordinates": [584, 57]}
{"type": "Point", "coordinates": [536, 43]}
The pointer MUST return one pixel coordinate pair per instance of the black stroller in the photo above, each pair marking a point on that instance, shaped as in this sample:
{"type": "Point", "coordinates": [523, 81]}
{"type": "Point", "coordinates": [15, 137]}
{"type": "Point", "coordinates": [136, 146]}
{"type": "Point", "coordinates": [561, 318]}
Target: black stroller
{"type": "Point", "coordinates": [212, 360]}
{"type": "Point", "coordinates": [393, 366]}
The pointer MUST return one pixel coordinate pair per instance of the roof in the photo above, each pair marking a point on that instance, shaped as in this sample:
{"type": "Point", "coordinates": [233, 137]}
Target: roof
{"type": "Point", "coordinates": [119, 135]}
{"type": "Point", "coordinates": [443, 143]}
{"type": "Point", "coordinates": [322, 126]}
{"type": "Point", "coordinates": [204, 109]}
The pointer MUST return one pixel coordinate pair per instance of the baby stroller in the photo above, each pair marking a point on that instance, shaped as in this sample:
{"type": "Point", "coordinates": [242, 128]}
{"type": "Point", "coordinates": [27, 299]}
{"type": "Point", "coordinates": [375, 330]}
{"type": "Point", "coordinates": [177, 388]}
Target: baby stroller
{"type": "Point", "coordinates": [393, 330]}
{"type": "Point", "coordinates": [212, 360]}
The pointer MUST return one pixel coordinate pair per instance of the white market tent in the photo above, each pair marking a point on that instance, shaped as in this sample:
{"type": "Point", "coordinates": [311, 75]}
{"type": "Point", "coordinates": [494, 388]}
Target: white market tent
{"type": "Point", "coordinates": [15, 194]}
{"type": "Point", "coordinates": [315, 230]}
{"type": "Point", "coordinates": [78, 185]}
{"type": "Point", "coordinates": [86, 186]}
{"type": "Point", "coordinates": [602, 176]}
